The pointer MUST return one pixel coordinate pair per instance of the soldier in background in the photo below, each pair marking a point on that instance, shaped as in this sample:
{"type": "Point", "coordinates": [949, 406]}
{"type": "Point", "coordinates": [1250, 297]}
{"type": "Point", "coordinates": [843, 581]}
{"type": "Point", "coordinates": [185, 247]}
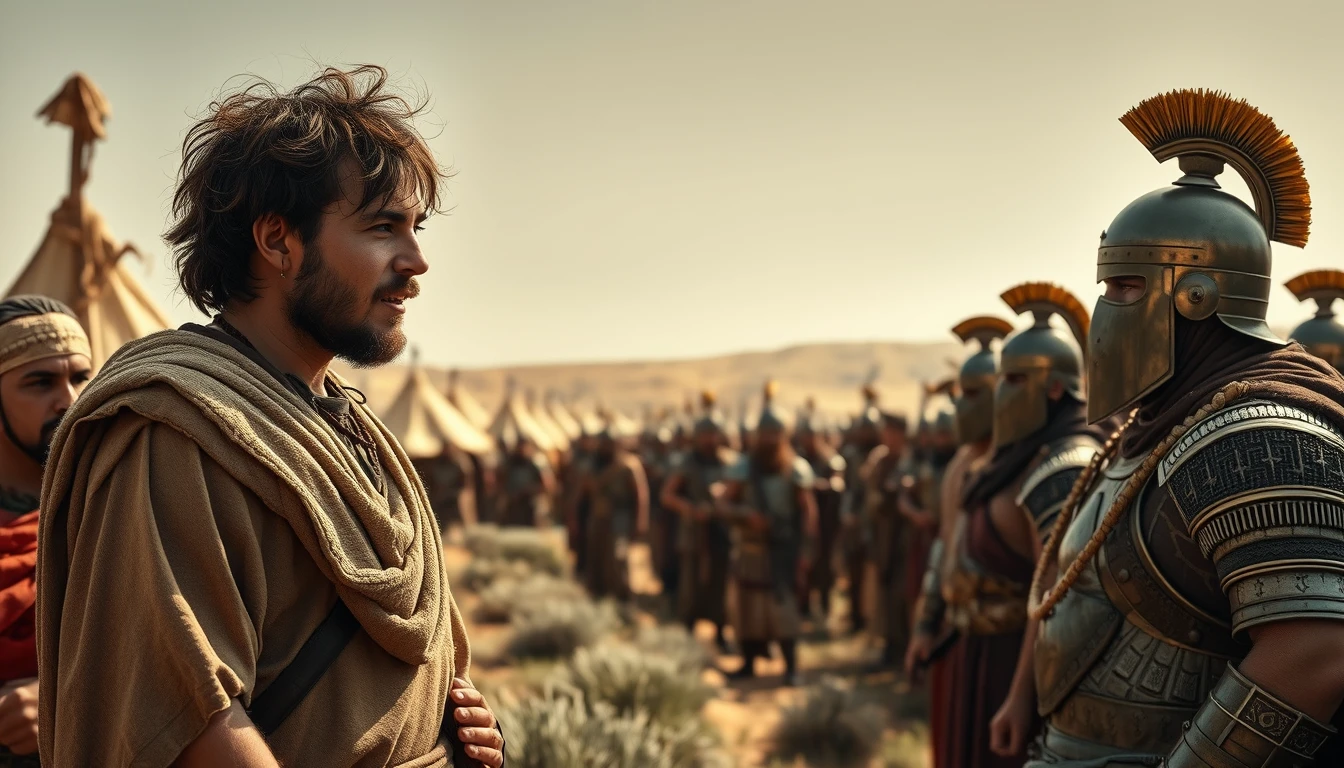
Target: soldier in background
{"type": "Point", "coordinates": [1322, 335]}
{"type": "Point", "coordinates": [767, 498]}
{"type": "Point", "coordinates": [450, 483]}
{"type": "Point", "coordinates": [974, 425]}
{"type": "Point", "coordinates": [656, 455]}
{"type": "Point", "coordinates": [865, 435]}
{"type": "Point", "coordinates": [526, 484]}
{"type": "Point", "coordinates": [574, 502]}
{"type": "Point", "coordinates": [922, 504]}
{"type": "Point", "coordinates": [828, 471]}
{"type": "Point", "coordinates": [703, 542]}
{"type": "Point", "coordinates": [618, 498]}
{"type": "Point", "coordinates": [1042, 442]}
{"type": "Point", "coordinates": [888, 478]}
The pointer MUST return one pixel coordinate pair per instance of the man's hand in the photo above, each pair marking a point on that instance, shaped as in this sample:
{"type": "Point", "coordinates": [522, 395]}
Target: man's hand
{"type": "Point", "coordinates": [476, 722]}
{"type": "Point", "coordinates": [18, 716]}
{"type": "Point", "coordinates": [1008, 729]}
{"type": "Point", "coordinates": [917, 653]}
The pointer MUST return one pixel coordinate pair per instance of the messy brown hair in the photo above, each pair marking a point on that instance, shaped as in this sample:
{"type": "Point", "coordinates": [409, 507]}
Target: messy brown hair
{"type": "Point", "coordinates": [260, 151]}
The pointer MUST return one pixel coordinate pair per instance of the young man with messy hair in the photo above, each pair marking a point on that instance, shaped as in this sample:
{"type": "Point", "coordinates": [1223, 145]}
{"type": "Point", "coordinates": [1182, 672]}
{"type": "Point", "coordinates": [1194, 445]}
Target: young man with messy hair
{"type": "Point", "coordinates": [241, 565]}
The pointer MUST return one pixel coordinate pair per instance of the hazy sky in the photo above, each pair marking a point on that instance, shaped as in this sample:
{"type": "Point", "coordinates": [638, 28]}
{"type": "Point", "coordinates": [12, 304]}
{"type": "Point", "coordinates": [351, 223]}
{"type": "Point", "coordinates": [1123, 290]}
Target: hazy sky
{"type": "Point", "coordinates": [668, 179]}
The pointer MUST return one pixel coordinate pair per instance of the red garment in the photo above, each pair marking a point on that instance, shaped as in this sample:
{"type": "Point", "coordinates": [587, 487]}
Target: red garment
{"type": "Point", "coordinates": [981, 667]}
{"type": "Point", "coordinates": [18, 595]}
{"type": "Point", "coordinates": [940, 709]}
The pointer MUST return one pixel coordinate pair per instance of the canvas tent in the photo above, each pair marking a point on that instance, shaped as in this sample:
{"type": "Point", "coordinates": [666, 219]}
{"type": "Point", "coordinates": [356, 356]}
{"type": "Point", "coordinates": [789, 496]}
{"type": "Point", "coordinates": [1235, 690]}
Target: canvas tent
{"type": "Point", "coordinates": [563, 417]}
{"type": "Point", "coordinates": [513, 422]}
{"type": "Point", "coordinates": [79, 261]}
{"type": "Point", "coordinates": [542, 416]}
{"type": "Point", "coordinates": [426, 423]}
{"type": "Point", "coordinates": [467, 405]}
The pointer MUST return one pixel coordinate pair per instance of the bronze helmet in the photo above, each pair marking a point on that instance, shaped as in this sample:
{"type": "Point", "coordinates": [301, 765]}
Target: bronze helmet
{"type": "Point", "coordinates": [1200, 251]}
{"type": "Point", "coordinates": [772, 416]}
{"type": "Point", "coordinates": [974, 402]}
{"type": "Point", "coordinates": [1322, 335]}
{"type": "Point", "coordinates": [709, 419]}
{"type": "Point", "coordinates": [1042, 355]}
{"type": "Point", "coordinates": [939, 418]}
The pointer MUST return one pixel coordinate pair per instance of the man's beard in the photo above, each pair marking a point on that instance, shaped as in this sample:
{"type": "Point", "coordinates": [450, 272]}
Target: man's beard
{"type": "Point", "coordinates": [41, 450]}
{"type": "Point", "coordinates": [319, 306]}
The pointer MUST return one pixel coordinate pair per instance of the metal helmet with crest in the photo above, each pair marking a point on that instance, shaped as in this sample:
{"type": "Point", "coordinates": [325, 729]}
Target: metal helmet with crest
{"type": "Point", "coordinates": [1034, 359]}
{"type": "Point", "coordinates": [1322, 335]}
{"type": "Point", "coordinates": [870, 416]}
{"type": "Point", "coordinates": [709, 420]}
{"type": "Point", "coordinates": [974, 402]}
{"type": "Point", "coordinates": [772, 418]}
{"type": "Point", "coordinates": [940, 417]}
{"type": "Point", "coordinates": [1200, 251]}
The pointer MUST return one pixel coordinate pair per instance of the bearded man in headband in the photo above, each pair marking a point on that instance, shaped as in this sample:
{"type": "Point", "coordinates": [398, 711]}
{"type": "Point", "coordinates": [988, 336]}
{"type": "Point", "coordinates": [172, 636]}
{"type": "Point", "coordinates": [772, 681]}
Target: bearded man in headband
{"type": "Point", "coordinates": [44, 363]}
{"type": "Point", "coordinates": [240, 563]}
{"type": "Point", "coordinates": [1191, 598]}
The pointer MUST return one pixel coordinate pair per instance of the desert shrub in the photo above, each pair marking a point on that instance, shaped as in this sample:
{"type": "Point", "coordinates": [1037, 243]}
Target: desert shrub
{"type": "Point", "coordinates": [554, 630]}
{"type": "Point", "coordinates": [562, 730]}
{"type": "Point", "coordinates": [674, 642]}
{"type": "Point", "coordinates": [634, 682]}
{"type": "Point", "coordinates": [536, 548]}
{"type": "Point", "coordinates": [480, 573]}
{"type": "Point", "coordinates": [832, 728]}
{"type": "Point", "coordinates": [505, 597]}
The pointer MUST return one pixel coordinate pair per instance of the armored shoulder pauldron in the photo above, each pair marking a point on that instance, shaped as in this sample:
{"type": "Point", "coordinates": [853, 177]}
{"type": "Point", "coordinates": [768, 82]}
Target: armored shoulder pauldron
{"type": "Point", "coordinates": [1048, 486]}
{"type": "Point", "coordinates": [1260, 487]}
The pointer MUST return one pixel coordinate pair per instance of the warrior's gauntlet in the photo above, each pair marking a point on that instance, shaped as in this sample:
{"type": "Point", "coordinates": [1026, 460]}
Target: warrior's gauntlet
{"type": "Point", "coordinates": [931, 601]}
{"type": "Point", "coordinates": [1244, 726]}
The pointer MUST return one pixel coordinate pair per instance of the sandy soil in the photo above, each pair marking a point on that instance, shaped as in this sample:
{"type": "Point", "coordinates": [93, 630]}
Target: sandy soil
{"type": "Point", "coordinates": [745, 713]}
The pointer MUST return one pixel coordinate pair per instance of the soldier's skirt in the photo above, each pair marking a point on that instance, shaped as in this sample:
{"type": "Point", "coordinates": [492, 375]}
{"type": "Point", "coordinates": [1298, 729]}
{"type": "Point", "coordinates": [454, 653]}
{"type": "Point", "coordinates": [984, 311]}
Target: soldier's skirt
{"type": "Point", "coordinates": [980, 671]}
{"type": "Point", "coordinates": [822, 576]}
{"type": "Point", "coordinates": [518, 512]}
{"type": "Point", "coordinates": [893, 616]}
{"type": "Point", "coordinates": [606, 563]}
{"type": "Point", "coordinates": [703, 583]}
{"type": "Point", "coordinates": [765, 611]}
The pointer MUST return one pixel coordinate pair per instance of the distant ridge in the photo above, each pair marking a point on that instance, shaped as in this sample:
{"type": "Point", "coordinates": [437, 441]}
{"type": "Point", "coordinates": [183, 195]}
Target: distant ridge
{"type": "Point", "coordinates": [832, 373]}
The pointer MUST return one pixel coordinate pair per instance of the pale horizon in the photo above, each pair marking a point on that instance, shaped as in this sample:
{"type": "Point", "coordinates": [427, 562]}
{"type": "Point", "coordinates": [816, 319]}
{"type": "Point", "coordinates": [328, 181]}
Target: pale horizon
{"type": "Point", "coordinates": [660, 182]}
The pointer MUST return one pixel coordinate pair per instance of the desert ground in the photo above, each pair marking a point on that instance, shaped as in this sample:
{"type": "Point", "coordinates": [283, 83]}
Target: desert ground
{"type": "Point", "coordinates": [844, 705]}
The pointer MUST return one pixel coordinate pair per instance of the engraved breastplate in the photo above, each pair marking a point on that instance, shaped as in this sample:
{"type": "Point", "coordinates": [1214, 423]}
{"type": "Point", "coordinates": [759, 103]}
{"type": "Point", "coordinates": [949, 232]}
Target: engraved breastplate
{"type": "Point", "coordinates": [1128, 675]}
{"type": "Point", "coordinates": [1079, 628]}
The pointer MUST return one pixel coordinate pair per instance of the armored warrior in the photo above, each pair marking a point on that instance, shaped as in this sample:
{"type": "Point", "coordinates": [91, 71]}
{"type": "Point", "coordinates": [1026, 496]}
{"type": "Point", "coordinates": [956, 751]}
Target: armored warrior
{"type": "Point", "coordinates": [656, 456]}
{"type": "Point", "coordinates": [1322, 335]}
{"type": "Point", "coordinates": [767, 499]}
{"type": "Point", "coordinates": [973, 419]}
{"type": "Point", "coordinates": [828, 471]}
{"type": "Point", "coordinates": [1042, 442]}
{"type": "Point", "coordinates": [617, 494]}
{"type": "Point", "coordinates": [1189, 598]}
{"type": "Point", "coordinates": [864, 436]}
{"type": "Point", "coordinates": [702, 540]}
{"type": "Point", "coordinates": [526, 482]}
{"type": "Point", "coordinates": [888, 477]}
{"type": "Point", "coordinates": [922, 505]}
{"type": "Point", "coordinates": [574, 503]}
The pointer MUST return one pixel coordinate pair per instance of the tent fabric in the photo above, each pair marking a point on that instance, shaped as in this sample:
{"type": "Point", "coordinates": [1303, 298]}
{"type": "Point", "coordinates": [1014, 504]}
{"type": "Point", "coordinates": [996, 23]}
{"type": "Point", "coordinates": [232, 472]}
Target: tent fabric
{"type": "Point", "coordinates": [79, 263]}
{"type": "Point", "coordinates": [426, 423]}
{"type": "Point", "coordinates": [514, 422]}
{"type": "Point", "coordinates": [467, 405]}
{"type": "Point", "coordinates": [548, 425]}
{"type": "Point", "coordinates": [563, 418]}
